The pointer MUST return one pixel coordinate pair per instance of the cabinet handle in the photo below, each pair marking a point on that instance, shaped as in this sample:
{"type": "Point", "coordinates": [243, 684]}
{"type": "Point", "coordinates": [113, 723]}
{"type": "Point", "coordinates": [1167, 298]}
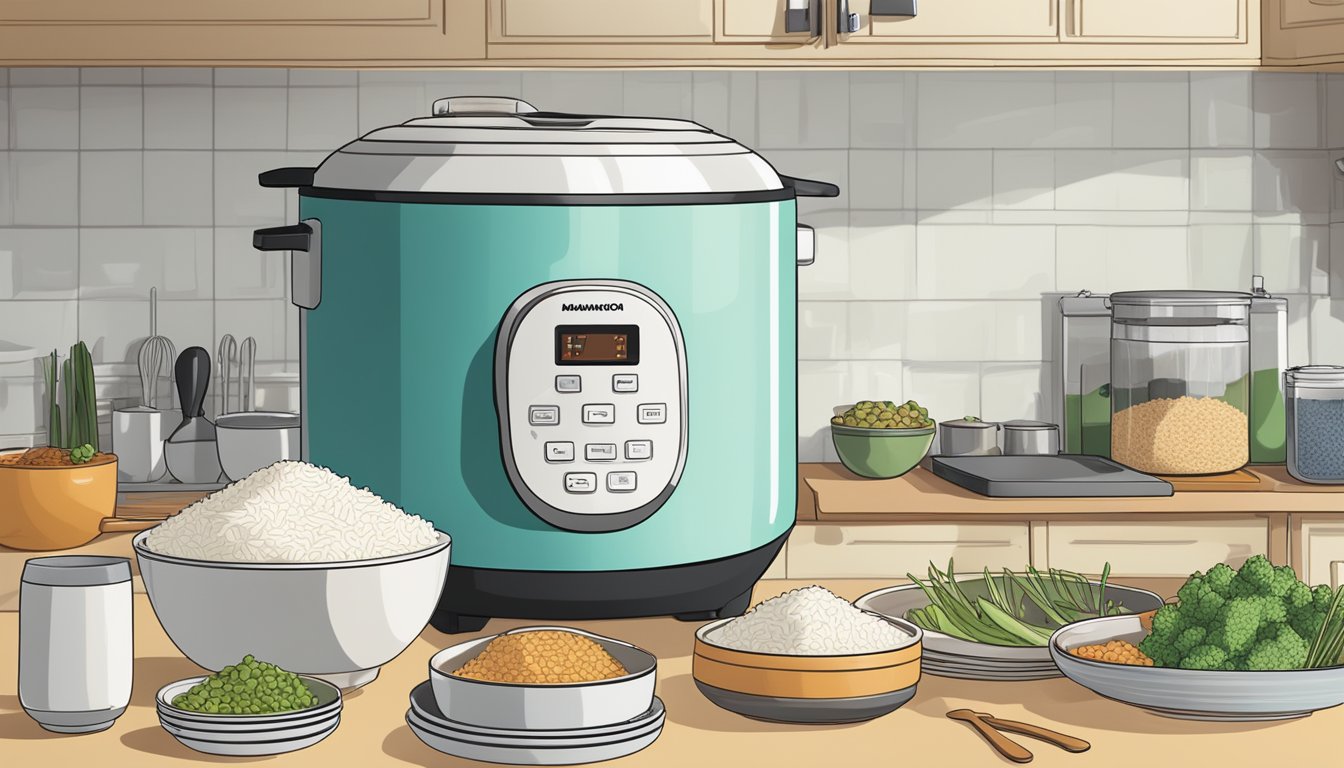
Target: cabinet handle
{"type": "Point", "coordinates": [904, 8]}
{"type": "Point", "coordinates": [803, 16]}
{"type": "Point", "coordinates": [1326, 2]}
{"type": "Point", "coordinates": [846, 23]}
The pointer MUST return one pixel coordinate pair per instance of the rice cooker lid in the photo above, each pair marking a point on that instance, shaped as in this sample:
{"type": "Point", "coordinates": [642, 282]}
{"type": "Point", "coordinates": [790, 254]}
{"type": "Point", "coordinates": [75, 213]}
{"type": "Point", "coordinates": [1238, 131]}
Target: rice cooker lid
{"type": "Point", "coordinates": [492, 145]}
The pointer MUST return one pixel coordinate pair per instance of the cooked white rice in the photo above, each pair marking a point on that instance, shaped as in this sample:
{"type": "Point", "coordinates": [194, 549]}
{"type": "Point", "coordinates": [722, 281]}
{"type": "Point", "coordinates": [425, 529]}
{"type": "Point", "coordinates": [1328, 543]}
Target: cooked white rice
{"type": "Point", "coordinates": [291, 512]}
{"type": "Point", "coordinates": [812, 621]}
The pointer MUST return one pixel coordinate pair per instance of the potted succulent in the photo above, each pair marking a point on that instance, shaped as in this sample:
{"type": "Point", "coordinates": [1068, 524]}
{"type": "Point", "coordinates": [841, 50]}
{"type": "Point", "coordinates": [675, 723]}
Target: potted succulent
{"type": "Point", "coordinates": [56, 496]}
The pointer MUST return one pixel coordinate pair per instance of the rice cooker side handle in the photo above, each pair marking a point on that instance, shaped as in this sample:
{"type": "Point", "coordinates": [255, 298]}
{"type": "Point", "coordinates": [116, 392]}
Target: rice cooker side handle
{"type": "Point", "coordinates": [807, 237]}
{"type": "Point", "coordinates": [304, 240]}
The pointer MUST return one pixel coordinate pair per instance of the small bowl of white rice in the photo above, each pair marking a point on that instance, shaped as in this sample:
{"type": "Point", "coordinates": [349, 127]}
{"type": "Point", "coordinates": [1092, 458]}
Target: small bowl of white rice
{"type": "Point", "coordinates": [808, 656]}
{"type": "Point", "coordinates": [295, 565]}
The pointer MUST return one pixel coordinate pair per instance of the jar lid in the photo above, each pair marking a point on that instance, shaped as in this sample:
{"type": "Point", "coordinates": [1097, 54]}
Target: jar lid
{"type": "Point", "coordinates": [76, 571]}
{"type": "Point", "coordinates": [1320, 375]}
{"type": "Point", "coordinates": [1181, 307]}
{"type": "Point", "coordinates": [968, 424]}
{"type": "Point", "coordinates": [1026, 425]}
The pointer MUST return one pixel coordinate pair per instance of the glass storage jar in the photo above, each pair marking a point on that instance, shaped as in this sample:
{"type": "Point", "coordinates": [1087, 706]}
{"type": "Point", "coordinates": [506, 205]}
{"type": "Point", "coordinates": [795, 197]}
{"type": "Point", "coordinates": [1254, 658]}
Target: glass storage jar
{"type": "Point", "coordinates": [1180, 381]}
{"type": "Point", "coordinates": [1315, 399]}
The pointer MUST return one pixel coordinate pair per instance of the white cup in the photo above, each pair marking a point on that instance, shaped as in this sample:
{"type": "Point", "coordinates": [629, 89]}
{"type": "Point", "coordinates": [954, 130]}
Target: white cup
{"type": "Point", "coordinates": [76, 652]}
{"type": "Point", "coordinates": [137, 438]}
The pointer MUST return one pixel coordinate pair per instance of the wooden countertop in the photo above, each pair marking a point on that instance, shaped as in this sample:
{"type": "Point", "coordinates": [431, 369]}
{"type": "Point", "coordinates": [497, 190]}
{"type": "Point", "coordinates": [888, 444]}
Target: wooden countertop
{"type": "Point", "coordinates": [831, 493]}
{"type": "Point", "coordinates": [373, 729]}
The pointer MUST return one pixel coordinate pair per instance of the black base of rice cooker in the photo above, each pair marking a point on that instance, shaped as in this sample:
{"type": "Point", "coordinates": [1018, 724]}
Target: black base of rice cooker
{"type": "Point", "coordinates": [713, 589]}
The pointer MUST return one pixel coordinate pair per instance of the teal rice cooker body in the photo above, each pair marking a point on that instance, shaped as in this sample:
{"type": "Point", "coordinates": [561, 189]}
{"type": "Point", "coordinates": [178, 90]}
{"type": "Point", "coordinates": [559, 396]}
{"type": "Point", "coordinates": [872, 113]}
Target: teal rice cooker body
{"type": "Point", "coordinates": [568, 341]}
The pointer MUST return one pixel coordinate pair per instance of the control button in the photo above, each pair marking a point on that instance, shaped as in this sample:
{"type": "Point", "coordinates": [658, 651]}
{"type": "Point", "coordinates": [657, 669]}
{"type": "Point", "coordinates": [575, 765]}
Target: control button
{"type": "Point", "coordinates": [636, 450]}
{"type": "Point", "coordinates": [557, 452]}
{"type": "Point", "coordinates": [543, 415]}
{"type": "Point", "coordinates": [600, 451]}
{"type": "Point", "coordinates": [625, 382]}
{"type": "Point", "coordinates": [652, 413]}
{"type": "Point", "coordinates": [621, 482]}
{"type": "Point", "coordinates": [568, 384]}
{"type": "Point", "coordinates": [599, 413]}
{"type": "Point", "coordinates": [580, 482]}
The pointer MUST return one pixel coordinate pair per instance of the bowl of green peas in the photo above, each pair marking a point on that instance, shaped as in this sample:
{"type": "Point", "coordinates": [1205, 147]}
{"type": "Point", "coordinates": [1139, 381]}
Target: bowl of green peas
{"type": "Point", "coordinates": [881, 439]}
{"type": "Point", "coordinates": [249, 709]}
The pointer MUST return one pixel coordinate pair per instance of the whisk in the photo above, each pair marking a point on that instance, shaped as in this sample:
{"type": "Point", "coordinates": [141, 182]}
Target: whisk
{"type": "Point", "coordinates": [156, 353]}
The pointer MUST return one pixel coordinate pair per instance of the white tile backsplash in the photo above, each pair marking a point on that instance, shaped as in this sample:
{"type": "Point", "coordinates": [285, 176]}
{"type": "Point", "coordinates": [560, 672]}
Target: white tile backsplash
{"type": "Point", "coordinates": [179, 188]}
{"type": "Point", "coordinates": [126, 262]}
{"type": "Point", "coordinates": [954, 179]}
{"type": "Point", "coordinates": [1287, 110]}
{"type": "Point", "coordinates": [251, 118]}
{"type": "Point", "coordinates": [985, 262]}
{"type": "Point", "coordinates": [966, 196]}
{"type": "Point", "coordinates": [1152, 109]}
{"type": "Point", "coordinates": [45, 188]}
{"type": "Point", "coordinates": [39, 264]}
{"type": "Point", "coordinates": [322, 118]}
{"type": "Point", "coordinates": [1220, 109]}
{"type": "Point", "coordinates": [1221, 180]}
{"type": "Point", "coordinates": [180, 117]}
{"type": "Point", "coordinates": [44, 117]}
{"type": "Point", "coordinates": [111, 117]}
{"type": "Point", "coordinates": [985, 110]}
{"type": "Point", "coordinates": [111, 188]}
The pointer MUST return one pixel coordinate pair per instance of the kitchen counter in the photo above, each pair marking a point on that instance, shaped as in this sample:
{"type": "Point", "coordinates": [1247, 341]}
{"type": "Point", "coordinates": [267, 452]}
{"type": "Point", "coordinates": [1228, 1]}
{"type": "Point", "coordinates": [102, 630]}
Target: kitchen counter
{"type": "Point", "coordinates": [830, 492]}
{"type": "Point", "coordinates": [373, 730]}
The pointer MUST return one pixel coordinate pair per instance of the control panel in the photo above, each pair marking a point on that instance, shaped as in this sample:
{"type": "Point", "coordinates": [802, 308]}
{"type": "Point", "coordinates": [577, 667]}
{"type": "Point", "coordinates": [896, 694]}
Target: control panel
{"type": "Point", "coordinates": [590, 387]}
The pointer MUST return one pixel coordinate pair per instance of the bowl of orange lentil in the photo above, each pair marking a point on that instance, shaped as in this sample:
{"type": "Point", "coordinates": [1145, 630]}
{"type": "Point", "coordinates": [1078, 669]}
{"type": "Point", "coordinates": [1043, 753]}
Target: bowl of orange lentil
{"type": "Point", "coordinates": [543, 678]}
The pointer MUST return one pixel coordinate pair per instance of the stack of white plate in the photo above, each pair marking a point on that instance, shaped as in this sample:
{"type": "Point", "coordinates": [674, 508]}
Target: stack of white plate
{"type": "Point", "coordinates": [530, 747]}
{"type": "Point", "coordinates": [538, 724]}
{"type": "Point", "coordinates": [250, 735]}
{"type": "Point", "coordinates": [948, 656]}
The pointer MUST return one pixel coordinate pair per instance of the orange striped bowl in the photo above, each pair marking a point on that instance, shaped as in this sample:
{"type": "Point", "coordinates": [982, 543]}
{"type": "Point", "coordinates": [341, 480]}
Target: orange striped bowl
{"type": "Point", "coordinates": [808, 689]}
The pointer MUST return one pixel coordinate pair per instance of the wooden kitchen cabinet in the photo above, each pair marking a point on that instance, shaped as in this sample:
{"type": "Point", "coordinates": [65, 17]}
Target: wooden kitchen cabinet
{"type": "Point", "coordinates": [892, 551]}
{"type": "Point", "coordinates": [241, 32]}
{"type": "Point", "coordinates": [1303, 32]}
{"type": "Point", "coordinates": [1187, 21]}
{"type": "Point", "coordinates": [1155, 549]}
{"type": "Point", "coordinates": [1318, 548]}
{"type": "Point", "coordinates": [600, 21]}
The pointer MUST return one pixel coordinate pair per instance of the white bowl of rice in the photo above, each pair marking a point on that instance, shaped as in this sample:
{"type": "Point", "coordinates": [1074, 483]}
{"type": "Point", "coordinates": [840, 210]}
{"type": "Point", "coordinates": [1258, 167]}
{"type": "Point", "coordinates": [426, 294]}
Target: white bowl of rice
{"type": "Point", "coordinates": [808, 656]}
{"type": "Point", "coordinates": [294, 565]}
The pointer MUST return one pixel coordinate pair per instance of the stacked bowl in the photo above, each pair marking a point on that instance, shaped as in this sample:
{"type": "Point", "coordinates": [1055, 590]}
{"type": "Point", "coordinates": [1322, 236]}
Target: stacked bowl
{"type": "Point", "coordinates": [537, 724]}
{"type": "Point", "coordinates": [250, 735]}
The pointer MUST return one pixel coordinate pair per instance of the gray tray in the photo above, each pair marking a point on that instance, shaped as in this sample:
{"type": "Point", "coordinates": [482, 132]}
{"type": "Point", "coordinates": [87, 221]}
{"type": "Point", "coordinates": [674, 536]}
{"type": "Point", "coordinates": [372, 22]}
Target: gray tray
{"type": "Point", "coordinates": [1047, 476]}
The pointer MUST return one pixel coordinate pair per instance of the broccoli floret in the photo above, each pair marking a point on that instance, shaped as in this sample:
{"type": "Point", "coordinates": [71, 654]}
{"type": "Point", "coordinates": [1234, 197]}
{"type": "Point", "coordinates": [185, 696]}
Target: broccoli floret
{"type": "Point", "coordinates": [1256, 577]}
{"type": "Point", "coordinates": [1219, 578]}
{"type": "Point", "coordinates": [1283, 651]}
{"type": "Point", "coordinates": [1298, 596]}
{"type": "Point", "coordinates": [1168, 622]}
{"type": "Point", "coordinates": [1321, 597]}
{"type": "Point", "coordinates": [1189, 639]}
{"type": "Point", "coordinates": [1306, 622]}
{"type": "Point", "coordinates": [1238, 626]}
{"type": "Point", "coordinates": [1199, 603]}
{"type": "Point", "coordinates": [1204, 657]}
{"type": "Point", "coordinates": [1283, 582]}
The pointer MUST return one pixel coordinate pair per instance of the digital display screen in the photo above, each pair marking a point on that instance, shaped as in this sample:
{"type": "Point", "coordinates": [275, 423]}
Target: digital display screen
{"type": "Point", "coordinates": [597, 345]}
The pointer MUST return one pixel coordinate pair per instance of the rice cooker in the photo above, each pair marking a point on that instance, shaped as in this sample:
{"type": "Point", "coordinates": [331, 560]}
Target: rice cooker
{"type": "Point", "coordinates": [566, 340]}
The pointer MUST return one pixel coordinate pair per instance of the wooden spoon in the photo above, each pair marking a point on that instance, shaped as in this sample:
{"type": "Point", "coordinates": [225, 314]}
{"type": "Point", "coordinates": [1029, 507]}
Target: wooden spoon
{"type": "Point", "coordinates": [1061, 740]}
{"type": "Point", "coordinates": [1002, 744]}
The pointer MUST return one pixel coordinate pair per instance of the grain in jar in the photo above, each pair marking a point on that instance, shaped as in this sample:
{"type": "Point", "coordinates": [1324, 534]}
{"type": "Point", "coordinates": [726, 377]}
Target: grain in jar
{"type": "Point", "coordinates": [1180, 381]}
{"type": "Point", "coordinates": [1315, 399]}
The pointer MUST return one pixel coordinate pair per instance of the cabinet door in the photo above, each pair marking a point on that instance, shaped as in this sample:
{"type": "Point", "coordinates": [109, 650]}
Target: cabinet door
{"type": "Point", "coordinates": [1192, 21]}
{"type": "Point", "coordinates": [892, 551]}
{"type": "Point", "coordinates": [1154, 549]}
{"type": "Point", "coordinates": [964, 20]}
{"type": "Point", "coordinates": [241, 32]}
{"type": "Point", "coordinates": [612, 21]}
{"type": "Point", "coordinates": [751, 21]}
{"type": "Point", "coordinates": [1304, 31]}
{"type": "Point", "coordinates": [1318, 549]}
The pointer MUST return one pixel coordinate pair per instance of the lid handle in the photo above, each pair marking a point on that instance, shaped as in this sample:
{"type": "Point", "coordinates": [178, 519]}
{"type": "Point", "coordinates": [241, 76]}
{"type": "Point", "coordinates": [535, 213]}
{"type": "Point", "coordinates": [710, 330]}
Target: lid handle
{"type": "Point", "coordinates": [490, 105]}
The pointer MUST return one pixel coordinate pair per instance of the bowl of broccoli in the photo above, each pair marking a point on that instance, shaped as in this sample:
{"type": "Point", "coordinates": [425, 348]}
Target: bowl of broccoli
{"type": "Point", "coordinates": [1246, 644]}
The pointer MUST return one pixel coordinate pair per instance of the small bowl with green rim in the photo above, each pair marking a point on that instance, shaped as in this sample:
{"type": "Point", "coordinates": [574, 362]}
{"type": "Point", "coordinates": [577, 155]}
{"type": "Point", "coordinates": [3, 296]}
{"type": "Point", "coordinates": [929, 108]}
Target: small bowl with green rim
{"type": "Point", "coordinates": [881, 453]}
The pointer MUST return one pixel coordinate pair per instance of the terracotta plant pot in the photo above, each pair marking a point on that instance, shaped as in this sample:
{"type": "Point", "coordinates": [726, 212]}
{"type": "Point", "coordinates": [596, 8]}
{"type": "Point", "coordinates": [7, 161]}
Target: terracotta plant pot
{"type": "Point", "coordinates": [45, 508]}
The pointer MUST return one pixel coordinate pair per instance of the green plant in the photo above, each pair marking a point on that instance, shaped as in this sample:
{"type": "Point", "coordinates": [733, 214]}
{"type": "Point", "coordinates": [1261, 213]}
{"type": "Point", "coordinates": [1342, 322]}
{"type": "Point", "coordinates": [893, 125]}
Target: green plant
{"type": "Point", "coordinates": [77, 424]}
{"type": "Point", "coordinates": [999, 617]}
